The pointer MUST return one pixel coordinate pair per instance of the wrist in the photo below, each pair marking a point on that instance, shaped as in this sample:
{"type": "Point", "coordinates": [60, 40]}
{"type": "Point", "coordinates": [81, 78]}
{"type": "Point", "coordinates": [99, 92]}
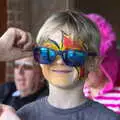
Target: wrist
{"type": "Point", "coordinates": [2, 51]}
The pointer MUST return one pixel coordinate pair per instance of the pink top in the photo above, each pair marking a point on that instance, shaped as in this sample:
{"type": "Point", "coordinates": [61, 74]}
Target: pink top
{"type": "Point", "coordinates": [111, 100]}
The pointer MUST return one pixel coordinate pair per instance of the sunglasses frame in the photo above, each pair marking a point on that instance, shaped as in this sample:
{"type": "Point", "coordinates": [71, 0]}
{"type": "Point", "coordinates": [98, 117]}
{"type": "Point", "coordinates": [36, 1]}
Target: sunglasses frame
{"type": "Point", "coordinates": [60, 53]}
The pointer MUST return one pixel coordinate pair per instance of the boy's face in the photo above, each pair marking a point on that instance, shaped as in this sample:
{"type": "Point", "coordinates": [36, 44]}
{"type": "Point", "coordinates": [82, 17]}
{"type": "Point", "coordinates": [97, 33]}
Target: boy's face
{"type": "Point", "coordinates": [58, 73]}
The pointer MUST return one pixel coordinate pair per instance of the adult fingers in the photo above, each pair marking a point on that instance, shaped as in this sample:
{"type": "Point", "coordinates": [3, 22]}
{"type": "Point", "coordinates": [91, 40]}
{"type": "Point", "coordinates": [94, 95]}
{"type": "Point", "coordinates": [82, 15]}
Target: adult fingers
{"type": "Point", "coordinates": [21, 36]}
{"type": "Point", "coordinates": [30, 43]}
{"type": "Point", "coordinates": [17, 54]}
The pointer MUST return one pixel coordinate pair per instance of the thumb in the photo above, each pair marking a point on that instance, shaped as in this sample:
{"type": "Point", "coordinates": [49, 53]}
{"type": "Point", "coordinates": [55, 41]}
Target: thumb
{"type": "Point", "coordinates": [26, 54]}
{"type": "Point", "coordinates": [18, 54]}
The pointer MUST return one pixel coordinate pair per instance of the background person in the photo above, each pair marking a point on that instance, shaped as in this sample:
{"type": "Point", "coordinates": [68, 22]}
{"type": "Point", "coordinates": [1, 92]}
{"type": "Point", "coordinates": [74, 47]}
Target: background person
{"type": "Point", "coordinates": [103, 82]}
{"type": "Point", "coordinates": [93, 90]}
{"type": "Point", "coordinates": [28, 84]}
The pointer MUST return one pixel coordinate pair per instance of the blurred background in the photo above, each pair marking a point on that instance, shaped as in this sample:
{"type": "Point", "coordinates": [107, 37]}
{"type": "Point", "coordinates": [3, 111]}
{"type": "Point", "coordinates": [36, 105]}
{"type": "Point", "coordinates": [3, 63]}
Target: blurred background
{"type": "Point", "coordinates": [30, 15]}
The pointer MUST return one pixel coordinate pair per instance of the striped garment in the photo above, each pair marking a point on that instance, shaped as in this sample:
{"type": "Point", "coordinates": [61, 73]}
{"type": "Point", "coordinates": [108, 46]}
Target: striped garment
{"type": "Point", "coordinates": [111, 99]}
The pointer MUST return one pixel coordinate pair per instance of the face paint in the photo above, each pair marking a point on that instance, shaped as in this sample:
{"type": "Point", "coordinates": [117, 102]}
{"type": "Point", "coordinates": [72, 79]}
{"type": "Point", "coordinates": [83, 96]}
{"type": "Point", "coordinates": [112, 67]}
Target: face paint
{"type": "Point", "coordinates": [80, 71]}
{"type": "Point", "coordinates": [58, 73]}
{"type": "Point", "coordinates": [51, 44]}
{"type": "Point", "coordinates": [68, 43]}
{"type": "Point", "coordinates": [65, 44]}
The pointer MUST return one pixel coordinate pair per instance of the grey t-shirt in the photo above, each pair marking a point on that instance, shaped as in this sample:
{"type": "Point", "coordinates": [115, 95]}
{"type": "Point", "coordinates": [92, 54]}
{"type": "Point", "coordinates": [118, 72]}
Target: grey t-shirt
{"type": "Point", "coordinates": [42, 110]}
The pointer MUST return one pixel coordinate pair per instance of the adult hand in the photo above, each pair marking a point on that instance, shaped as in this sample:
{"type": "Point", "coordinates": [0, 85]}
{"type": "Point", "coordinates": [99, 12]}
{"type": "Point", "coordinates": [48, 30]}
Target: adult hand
{"type": "Point", "coordinates": [7, 113]}
{"type": "Point", "coordinates": [15, 44]}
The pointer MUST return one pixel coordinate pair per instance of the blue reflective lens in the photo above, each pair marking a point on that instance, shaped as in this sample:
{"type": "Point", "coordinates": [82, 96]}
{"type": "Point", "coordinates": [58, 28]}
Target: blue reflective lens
{"type": "Point", "coordinates": [45, 55]}
{"type": "Point", "coordinates": [75, 57]}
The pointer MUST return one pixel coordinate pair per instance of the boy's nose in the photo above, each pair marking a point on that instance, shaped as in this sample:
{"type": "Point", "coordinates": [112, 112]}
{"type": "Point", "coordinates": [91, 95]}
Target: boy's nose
{"type": "Point", "coordinates": [59, 60]}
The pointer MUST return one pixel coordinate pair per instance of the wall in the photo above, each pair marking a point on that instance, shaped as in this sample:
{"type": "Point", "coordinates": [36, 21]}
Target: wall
{"type": "Point", "coordinates": [107, 8]}
{"type": "Point", "coordinates": [3, 19]}
{"type": "Point", "coordinates": [30, 14]}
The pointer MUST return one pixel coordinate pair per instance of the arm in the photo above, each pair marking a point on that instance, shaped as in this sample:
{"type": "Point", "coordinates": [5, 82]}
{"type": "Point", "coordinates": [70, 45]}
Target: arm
{"type": "Point", "coordinates": [7, 112]}
{"type": "Point", "coordinates": [15, 44]}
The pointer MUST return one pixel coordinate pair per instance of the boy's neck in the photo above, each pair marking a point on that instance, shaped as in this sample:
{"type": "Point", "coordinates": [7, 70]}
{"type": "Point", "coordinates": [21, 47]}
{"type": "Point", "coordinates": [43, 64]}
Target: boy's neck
{"type": "Point", "coordinates": [66, 98]}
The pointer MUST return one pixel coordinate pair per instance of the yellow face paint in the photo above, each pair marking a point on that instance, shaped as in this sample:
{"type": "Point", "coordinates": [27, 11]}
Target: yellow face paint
{"type": "Point", "coordinates": [51, 44]}
{"type": "Point", "coordinates": [80, 71]}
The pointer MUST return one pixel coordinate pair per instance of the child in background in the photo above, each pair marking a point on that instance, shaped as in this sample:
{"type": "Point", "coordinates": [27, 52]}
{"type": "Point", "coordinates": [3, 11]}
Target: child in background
{"type": "Point", "coordinates": [103, 82]}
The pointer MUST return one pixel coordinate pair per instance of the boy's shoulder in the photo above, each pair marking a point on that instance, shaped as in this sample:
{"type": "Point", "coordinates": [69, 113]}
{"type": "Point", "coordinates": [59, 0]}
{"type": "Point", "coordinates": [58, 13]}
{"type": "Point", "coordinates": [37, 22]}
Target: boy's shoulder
{"type": "Point", "coordinates": [89, 110]}
{"type": "Point", "coordinates": [100, 110]}
{"type": "Point", "coordinates": [33, 106]}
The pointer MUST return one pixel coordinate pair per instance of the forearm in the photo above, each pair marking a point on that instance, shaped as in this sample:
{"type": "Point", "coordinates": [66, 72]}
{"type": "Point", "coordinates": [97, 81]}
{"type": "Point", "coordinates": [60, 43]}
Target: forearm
{"type": "Point", "coordinates": [2, 53]}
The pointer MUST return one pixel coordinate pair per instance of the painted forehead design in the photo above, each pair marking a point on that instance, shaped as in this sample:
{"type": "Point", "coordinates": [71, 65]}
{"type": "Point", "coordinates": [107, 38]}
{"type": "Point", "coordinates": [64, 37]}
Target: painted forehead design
{"type": "Point", "coordinates": [66, 43]}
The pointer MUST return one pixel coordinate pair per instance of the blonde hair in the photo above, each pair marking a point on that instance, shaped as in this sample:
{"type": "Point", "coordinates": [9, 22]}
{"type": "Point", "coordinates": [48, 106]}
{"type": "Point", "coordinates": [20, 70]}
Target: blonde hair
{"type": "Point", "coordinates": [74, 23]}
